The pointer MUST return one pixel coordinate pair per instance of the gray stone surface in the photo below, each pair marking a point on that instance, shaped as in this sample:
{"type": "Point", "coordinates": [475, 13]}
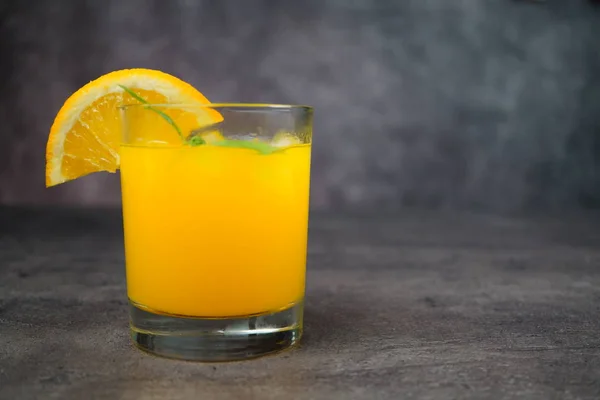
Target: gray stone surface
{"type": "Point", "coordinates": [442, 103]}
{"type": "Point", "coordinates": [409, 306]}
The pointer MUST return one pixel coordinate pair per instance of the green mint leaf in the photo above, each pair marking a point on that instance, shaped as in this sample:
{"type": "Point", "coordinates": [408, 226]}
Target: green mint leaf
{"type": "Point", "coordinates": [262, 148]}
{"type": "Point", "coordinates": [159, 112]}
{"type": "Point", "coordinates": [134, 94]}
{"type": "Point", "coordinates": [196, 141]}
{"type": "Point", "coordinates": [168, 119]}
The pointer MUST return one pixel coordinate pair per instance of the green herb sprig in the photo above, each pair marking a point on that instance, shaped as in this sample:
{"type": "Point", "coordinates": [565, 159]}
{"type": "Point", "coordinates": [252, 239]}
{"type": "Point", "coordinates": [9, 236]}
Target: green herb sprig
{"type": "Point", "coordinates": [149, 107]}
{"type": "Point", "coordinates": [262, 148]}
{"type": "Point", "coordinates": [196, 140]}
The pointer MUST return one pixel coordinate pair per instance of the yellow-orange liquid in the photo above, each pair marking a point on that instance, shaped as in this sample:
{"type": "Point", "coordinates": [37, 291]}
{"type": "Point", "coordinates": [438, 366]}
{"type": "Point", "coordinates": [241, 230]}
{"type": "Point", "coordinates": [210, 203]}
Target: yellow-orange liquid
{"type": "Point", "coordinates": [215, 231]}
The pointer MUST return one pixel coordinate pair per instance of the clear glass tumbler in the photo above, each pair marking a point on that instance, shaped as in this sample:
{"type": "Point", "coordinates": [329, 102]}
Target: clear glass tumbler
{"type": "Point", "coordinates": [215, 209]}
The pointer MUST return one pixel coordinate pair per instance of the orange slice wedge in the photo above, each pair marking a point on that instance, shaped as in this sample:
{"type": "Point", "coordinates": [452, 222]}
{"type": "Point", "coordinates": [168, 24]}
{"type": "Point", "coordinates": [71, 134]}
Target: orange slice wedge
{"type": "Point", "coordinates": [86, 132]}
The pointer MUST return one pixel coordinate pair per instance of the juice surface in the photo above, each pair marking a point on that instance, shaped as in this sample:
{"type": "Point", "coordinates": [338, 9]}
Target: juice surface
{"type": "Point", "coordinates": [215, 231]}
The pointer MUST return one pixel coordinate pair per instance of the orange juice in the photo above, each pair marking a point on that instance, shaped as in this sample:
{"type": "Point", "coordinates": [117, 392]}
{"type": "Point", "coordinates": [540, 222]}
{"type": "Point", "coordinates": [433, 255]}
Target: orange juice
{"type": "Point", "coordinates": [215, 231]}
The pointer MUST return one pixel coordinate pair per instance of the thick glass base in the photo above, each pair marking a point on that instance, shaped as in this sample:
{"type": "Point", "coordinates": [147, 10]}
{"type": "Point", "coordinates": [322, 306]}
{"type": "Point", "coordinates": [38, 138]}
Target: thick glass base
{"type": "Point", "coordinates": [215, 339]}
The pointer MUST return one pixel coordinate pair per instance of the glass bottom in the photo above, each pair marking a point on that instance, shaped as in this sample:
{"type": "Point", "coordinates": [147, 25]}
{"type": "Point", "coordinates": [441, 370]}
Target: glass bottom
{"type": "Point", "coordinates": [215, 339]}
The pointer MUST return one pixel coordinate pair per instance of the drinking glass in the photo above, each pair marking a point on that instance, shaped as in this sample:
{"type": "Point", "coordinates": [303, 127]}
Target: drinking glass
{"type": "Point", "coordinates": [215, 210]}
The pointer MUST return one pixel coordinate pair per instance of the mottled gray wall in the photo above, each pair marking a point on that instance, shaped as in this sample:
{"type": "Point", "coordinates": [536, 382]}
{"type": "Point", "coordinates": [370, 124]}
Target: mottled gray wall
{"type": "Point", "coordinates": [489, 104]}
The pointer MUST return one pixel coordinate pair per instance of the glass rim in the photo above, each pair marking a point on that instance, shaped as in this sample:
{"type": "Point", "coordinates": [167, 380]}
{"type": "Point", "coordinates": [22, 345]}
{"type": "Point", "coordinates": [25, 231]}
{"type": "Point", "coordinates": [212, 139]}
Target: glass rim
{"type": "Point", "coordinates": [264, 106]}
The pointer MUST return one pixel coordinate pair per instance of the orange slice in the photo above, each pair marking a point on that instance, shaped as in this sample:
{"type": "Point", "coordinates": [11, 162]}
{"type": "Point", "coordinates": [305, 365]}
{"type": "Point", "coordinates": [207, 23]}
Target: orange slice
{"type": "Point", "coordinates": [86, 132]}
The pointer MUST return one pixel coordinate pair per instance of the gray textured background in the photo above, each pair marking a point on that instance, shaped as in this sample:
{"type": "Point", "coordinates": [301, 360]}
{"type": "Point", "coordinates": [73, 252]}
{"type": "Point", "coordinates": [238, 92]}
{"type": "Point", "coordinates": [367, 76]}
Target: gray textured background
{"type": "Point", "coordinates": [440, 103]}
